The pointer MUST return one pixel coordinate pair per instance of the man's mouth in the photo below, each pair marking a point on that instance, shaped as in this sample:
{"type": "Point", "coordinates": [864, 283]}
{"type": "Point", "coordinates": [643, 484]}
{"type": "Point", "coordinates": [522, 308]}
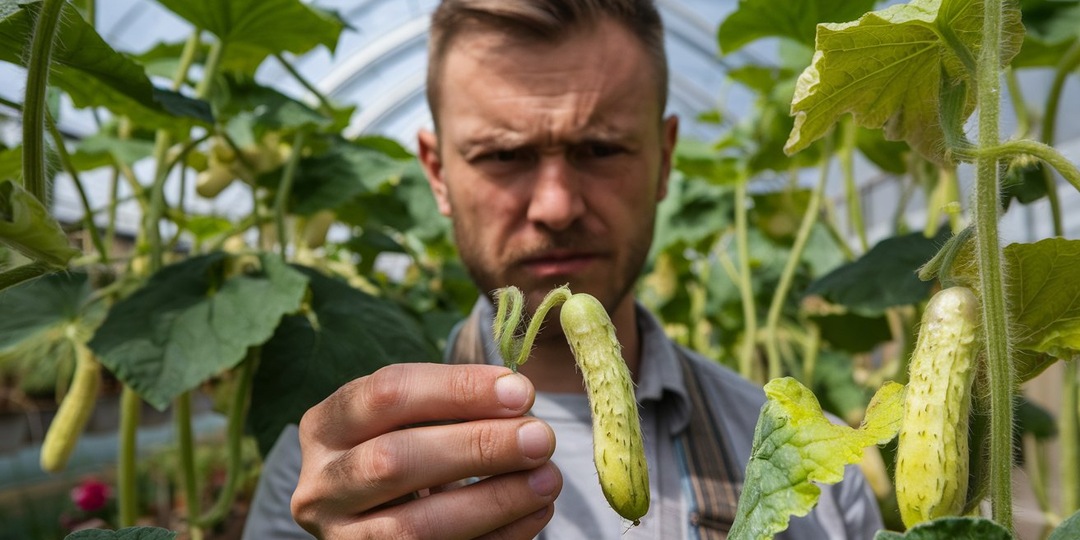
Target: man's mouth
{"type": "Point", "coordinates": [556, 264]}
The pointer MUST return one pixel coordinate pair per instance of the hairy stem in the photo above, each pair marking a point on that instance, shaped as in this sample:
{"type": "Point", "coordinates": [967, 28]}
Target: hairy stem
{"type": "Point", "coordinates": [1048, 154]}
{"type": "Point", "coordinates": [37, 82]}
{"type": "Point", "coordinates": [991, 276]}
{"type": "Point", "coordinates": [88, 216]}
{"type": "Point", "coordinates": [788, 275]}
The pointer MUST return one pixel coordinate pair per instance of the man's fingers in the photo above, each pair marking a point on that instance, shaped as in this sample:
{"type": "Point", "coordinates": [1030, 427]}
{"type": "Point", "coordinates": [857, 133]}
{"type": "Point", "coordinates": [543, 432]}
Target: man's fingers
{"type": "Point", "coordinates": [410, 460]}
{"type": "Point", "coordinates": [515, 505]}
{"type": "Point", "coordinates": [413, 393]}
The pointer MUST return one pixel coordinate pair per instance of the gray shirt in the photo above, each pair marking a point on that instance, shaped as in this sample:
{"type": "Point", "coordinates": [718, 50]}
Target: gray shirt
{"type": "Point", "coordinates": [845, 511]}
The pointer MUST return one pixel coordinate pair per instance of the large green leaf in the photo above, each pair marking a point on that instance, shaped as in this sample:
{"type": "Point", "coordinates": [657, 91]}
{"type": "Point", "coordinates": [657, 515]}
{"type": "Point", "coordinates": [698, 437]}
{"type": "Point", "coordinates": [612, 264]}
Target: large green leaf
{"type": "Point", "coordinates": [1051, 28]}
{"type": "Point", "coordinates": [11, 162]}
{"type": "Point", "coordinates": [346, 170]}
{"type": "Point", "coordinates": [343, 334]}
{"type": "Point", "coordinates": [1044, 295]}
{"type": "Point", "coordinates": [270, 109]}
{"type": "Point", "coordinates": [90, 71]}
{"type": "Point", "coordinates": [887, 70]}
{"type": "Point", "coordinates": [796, 448]}
{"type": "Point", "coordinates": [1068, 530]}
{"type": "Point", "coordinates": [755, 19]}
{"type": "Point", "coordinates": [257, 28]}
{"type": "Point", "coordinates": [129, 533]}
{"type": "Point", "coordinates": [882, 278]}
{"type": "Point", "coordinates": [195, 319]}
{"type": "Point", "coordinates": [951, 528]}
{"type": "Point", "coordinates": [27, 227]}
{"type": "Point", "coordinates": [46, 302]}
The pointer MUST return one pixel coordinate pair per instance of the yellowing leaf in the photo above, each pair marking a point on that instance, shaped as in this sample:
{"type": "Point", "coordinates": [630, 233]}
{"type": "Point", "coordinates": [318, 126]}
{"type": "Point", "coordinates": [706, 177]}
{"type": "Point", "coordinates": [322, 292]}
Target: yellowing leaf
{"type": "Point", "coordinates": [889, 67]}
{"type": "Point", "coordinates": [796, 447]}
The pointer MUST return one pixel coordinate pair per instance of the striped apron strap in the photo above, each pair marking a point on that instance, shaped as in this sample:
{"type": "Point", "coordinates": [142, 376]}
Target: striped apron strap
{"type": "Point", "coordinates": [715, 478]}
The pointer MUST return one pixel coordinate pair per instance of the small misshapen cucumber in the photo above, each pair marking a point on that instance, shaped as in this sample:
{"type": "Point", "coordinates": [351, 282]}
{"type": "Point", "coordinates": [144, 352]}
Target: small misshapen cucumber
{"type": "Point", "coordinates": [618, 450]}
{"type": "Point", "coordinates": [932, 457]}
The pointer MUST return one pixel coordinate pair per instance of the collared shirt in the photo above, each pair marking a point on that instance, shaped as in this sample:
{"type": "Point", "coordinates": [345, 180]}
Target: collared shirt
{"type": "Point", "coordinates": [845, 511]}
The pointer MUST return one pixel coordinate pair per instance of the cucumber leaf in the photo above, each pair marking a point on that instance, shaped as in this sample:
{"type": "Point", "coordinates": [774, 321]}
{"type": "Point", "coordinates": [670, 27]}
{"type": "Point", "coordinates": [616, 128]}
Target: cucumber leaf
{"type": "Point", "coordinates": [254, 29]}
{"type": "Point", "coordinates": [882, 278]}
{"type": "Point", "coordinates": [1044, 292]}
{"type": "Point", "coordinates": [1070, 528]}
{"type": "Point", "coordinates": [343, 333]}
{"type": "Point", "coordinates": [951, 528]}
{"type": "Point", "coordinates": [889, 67]}
{"type": "Point", "coordinates": [796, 447]}
{"type": "Point", "coordinates": [27, 227]}
{"type": "Point", "coordinates": [755, 19]}
{"type": "Point", "coordinates": [91, 72]}
{"type": "Point", "coordinates": [195, 319]}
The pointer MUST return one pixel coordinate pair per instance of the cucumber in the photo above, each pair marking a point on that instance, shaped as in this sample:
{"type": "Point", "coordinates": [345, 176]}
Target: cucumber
{"type": "Point", "coordinates": [932, 457]}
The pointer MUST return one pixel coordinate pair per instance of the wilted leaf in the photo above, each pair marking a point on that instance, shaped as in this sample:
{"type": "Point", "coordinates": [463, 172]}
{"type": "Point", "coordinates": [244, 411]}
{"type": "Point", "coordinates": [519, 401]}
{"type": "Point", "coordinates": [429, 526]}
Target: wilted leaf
{"type": "Point", "coordinates": [342, 335]}
{"type": "Point", "coordinates": [27, 227]}
{"type": "Point", "coordinates": [195, 319]}
{"type": "Point", "coordinates": [886, 69]}
{"type": "Point", "coordinates": [795, 448]}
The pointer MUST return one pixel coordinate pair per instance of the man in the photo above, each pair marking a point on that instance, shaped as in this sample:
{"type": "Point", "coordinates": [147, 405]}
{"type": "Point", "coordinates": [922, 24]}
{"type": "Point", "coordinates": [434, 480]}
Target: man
{"type": "Point", "coordinates": [550, 154]}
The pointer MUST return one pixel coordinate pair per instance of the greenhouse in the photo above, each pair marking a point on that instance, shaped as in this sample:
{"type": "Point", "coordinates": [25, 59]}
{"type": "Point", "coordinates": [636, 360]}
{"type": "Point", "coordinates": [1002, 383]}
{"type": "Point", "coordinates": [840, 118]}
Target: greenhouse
{"type": "Point", "coordinates": [539, 269]}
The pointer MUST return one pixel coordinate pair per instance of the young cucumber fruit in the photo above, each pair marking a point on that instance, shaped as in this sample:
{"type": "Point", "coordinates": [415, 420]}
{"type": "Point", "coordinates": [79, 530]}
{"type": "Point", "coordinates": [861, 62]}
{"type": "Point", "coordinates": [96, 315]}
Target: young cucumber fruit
{"type": "Point", "coordinates": [932, 458]}
{"type": "Point", "coordinates": [618, 451]}
{"type": "Point", "coordinates": [74, 411]}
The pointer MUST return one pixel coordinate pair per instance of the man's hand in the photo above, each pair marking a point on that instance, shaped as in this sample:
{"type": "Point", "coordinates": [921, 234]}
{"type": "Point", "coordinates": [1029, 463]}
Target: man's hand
{"type": "Point", "coordinates": [360, 459]}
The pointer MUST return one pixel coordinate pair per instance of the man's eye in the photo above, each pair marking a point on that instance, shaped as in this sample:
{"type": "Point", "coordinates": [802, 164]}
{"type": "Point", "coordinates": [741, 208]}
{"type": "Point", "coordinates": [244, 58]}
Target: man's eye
{"type": "Point", "coordinates": [598, 150]}
{"type": "Point", "coordinates": [504, 155]}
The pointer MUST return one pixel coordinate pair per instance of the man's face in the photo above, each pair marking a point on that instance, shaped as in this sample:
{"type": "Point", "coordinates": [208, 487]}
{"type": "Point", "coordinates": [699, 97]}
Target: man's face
{"type": "Point", "coordinates": [550, 160]}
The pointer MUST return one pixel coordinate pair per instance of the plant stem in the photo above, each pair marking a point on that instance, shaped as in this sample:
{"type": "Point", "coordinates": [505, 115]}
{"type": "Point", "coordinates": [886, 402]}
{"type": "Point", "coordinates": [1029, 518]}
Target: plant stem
{"type": "Point", "coordinates": [130, 409]}
{"type": "Point", "coordinates": [88, 217]}
{"type": "Point", "coordinates": [37, 81]}
{"type": "Point", "coordinates": [1069, 435]}
{"type": "Point", "coordinates": [846, 155]}
{"type": "Point", "coordinates": [746, 288]}
{"type": "Point", "coordinates": [238, 410]}
{"type": "Point", "coordinates": [991, 278]}
{"type": "Point", "coordinates": [325, 106]}
{"type": "Point", "coordinates": [787, 277]}
{"type": "Point", "coordinates": [281, 198]}
{"type": "Point", "coordinates": [810, 353]}
{"type": "Point", "coordinates": [185, 443]}
{"type": "Point", "coordinates": [1069, 61]}
{"type": "Point", "coordinates": [1044, 152]}
{"type": "Point", "coordinates": [1016, 98]}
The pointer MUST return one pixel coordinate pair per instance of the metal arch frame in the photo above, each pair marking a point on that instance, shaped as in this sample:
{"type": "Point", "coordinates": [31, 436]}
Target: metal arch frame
{"type": "Point", "coordinates": [413, 33]}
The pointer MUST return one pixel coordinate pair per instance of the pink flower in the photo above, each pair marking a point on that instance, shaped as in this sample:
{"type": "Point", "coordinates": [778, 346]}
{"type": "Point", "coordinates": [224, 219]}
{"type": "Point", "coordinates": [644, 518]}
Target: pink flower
{"type": "Point", "coordinates": [91, 495]}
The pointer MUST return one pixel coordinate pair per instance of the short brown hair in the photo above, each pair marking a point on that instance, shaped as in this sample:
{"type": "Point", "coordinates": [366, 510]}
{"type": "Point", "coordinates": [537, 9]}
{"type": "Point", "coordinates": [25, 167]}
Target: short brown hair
{"type": "Point", "coordinates": [547, 21]}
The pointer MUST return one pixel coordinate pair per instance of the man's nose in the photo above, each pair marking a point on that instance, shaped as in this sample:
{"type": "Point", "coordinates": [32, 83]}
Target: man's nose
{"type": "Point", "coordinates": [556, 198]}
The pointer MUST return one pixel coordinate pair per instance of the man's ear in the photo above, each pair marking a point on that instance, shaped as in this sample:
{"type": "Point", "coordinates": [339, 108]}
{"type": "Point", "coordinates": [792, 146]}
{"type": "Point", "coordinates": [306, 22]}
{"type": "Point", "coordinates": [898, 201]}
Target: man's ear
{"type": "Point", "coordinates": [669, 135]}
{"type": "Point", "coordinates": [428, 143]}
